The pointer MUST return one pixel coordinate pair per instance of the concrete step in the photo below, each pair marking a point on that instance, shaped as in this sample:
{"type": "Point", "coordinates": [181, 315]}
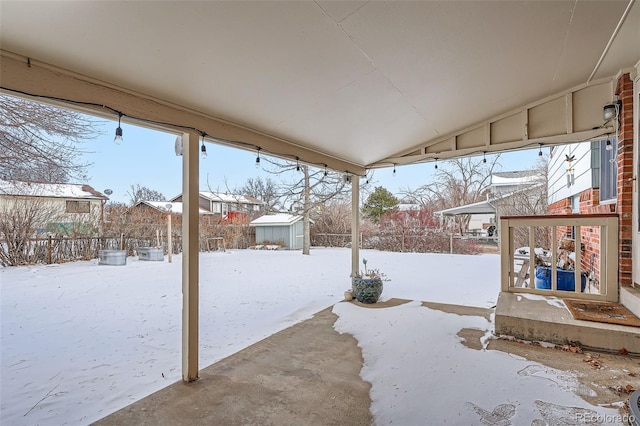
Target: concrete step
{"type": "Point", "coordinates": [542, 318]}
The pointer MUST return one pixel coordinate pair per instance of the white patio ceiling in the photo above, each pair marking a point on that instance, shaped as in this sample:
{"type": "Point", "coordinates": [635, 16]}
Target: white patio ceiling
{"type": "Point", "coordinates": [352, 84]}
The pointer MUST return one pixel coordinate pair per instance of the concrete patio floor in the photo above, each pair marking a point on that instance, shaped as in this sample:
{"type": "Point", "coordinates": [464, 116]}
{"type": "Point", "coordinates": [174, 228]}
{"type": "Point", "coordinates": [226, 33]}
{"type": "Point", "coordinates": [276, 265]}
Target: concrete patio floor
{"type": "Point", "coordinates": [306, 374]}
{"type": "Point", "coordinates": [310, 374]}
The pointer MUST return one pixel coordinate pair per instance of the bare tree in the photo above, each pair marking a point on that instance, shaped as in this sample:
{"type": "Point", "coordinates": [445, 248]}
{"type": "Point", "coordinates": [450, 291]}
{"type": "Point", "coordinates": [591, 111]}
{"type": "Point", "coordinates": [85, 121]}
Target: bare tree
{"type": "Point", "coordinates": [23, 218]}
{"type": "Point", "coordinates": [456, 183]}
{"type": "Point", "coordinates": [332, 223]}
{"type": "Point", "coordinates": [529, 201]}
{"type": "Point", "coordinates": [19, 221]}
{"type": "Point", "coordinates": [304, 188]}
{"type": "Point", "coordinates": [264, 190]}
{"type": "Point", "coordinates": [39, 142]}
{"type": "Point", "coordinates": [139, 193]}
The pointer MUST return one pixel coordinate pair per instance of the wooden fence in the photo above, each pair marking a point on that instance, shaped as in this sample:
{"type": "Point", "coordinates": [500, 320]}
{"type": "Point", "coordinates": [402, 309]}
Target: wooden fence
{"type": "Point", "coordinates": [66, 249]}
{"type": "Point", "coordinates": [429, 242]}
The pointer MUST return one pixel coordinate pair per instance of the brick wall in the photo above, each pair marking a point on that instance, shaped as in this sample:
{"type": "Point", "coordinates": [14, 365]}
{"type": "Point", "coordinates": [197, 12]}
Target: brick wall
{"type": "Point", "coordinates": [589, 236]}
{"type": "Point", "coordinates": [561, 207]}
{"type": "Point", "coordinates": [589, 199]}
{"type": "Point", "coordinates": [624, 90]}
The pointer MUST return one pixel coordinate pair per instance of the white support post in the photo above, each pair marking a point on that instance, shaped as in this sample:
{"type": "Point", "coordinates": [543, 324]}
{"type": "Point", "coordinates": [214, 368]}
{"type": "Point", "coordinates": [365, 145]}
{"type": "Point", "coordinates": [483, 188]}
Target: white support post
{"type": "Point", "coordinates": [506, 255]}
{"type": "Point", "coordinates": [169, 239]}
{"type": "Point", "coordinates": [577, 277]}
{"type": "Point", "coordinates": [610, 260]}
{"type": "Point", "coordinates": [355, 224]}
{"type": "Point", "coordinates": [532, 256]}
{"type": "Point", "coordinates": [554, 258]}
{"type": "Point", "coordinates": [190, 218]}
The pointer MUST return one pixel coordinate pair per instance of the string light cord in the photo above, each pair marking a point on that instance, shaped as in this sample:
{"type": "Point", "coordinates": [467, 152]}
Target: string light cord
{"type": "Point", "coordinates": [244, 145]}
{"type": "Point", "coordinates": [484, 153]}
{"type": "Point", "coordinates": [230, 142]}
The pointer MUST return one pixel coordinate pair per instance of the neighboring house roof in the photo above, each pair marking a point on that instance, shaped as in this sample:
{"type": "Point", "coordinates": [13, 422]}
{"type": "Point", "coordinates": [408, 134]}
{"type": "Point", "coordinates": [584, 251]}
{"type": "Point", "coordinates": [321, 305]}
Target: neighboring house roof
{"type": "Point", "coordinates": [408, 206]}
{"type": "Point", "coordinates": [525, 179]}
{"type": "Point", "coordinates": [486, 206]}
{"type": "Point", "coordinates": [163, 206]}
{"type": "Point", "coordinates": [52, 190]}
{"type": "Point", "coordinates": [518, 177]}
{"type": "Point", "coordinates": [516, 174]}
{"type": "Point", "coordinates": [280, 219]}
{"type": "Point", "coordinates": [227, 198]}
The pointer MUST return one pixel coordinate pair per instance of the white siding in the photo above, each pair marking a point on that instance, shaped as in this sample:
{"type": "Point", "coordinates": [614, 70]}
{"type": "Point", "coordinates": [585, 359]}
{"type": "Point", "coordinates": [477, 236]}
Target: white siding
{"type": "Point", "coordinates": [558, 189]}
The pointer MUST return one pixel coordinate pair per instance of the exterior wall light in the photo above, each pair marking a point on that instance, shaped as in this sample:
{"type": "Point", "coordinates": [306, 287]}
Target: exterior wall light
{"type": "Point", "coordinates": [611, 111]}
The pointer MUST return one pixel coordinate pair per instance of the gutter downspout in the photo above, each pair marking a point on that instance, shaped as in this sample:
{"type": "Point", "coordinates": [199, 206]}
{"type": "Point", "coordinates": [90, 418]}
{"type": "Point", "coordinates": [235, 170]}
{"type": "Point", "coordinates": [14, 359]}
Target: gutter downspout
{"type": "Point", "coordinates": [611, 39]}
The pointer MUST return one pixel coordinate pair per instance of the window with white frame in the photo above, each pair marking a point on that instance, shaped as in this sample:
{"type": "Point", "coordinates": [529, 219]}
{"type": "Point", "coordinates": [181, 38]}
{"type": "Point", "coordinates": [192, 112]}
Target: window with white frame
{"type": "Point", "coordinates": [608, 170]}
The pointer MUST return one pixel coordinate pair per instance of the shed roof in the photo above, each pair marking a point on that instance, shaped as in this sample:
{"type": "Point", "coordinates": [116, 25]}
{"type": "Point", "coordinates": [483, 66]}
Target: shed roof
{"type": "Point", "coordinates": [474, 208]}
{"type": "Point", "coordinates": [52, 190]}
{"type": "Point", "coordinates": [280, 219]}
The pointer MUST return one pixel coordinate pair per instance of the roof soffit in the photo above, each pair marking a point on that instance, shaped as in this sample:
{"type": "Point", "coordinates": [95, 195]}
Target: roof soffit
{"type": "Point", "coordinates": [362, 81]}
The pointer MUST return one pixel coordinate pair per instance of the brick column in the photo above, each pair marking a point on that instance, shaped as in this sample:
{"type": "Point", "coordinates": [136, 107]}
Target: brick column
{"type": "Point", "coordinates": [624, 204]}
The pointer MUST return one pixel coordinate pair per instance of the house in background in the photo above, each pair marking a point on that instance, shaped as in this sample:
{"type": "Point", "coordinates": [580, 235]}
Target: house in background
{"type": "Point", "coordinates": [164, 207]}
{"type": "Point", "coordinates": [509, 182]}
{"type": "Point", "coordinates": [231, 207]}
{"type": "Point", "coordinates": [51, 208]}
{"type": "Point", "coordinates": [408, 207]}
{"type": "Point", "coordinates": [156, 211]}
{"type": "Point", "coordinates": [282, 228]}
{"type": "Point", "coordinates": [512, 192]}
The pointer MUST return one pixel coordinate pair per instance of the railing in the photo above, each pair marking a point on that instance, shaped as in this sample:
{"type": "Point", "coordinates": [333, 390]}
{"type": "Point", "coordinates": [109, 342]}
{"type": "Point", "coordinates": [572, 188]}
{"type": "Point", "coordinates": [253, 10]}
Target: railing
{"type": "Point", "coordinates": [593, 273]}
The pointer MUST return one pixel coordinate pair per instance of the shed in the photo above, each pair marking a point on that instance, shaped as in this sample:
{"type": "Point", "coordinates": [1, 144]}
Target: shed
{"type": "Point", "coordinates": [281, 228]}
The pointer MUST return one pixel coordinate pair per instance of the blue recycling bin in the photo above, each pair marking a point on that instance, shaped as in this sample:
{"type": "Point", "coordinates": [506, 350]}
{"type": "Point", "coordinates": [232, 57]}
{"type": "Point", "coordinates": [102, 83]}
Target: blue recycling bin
{"type": "Point", "coordinates": [566, 281]}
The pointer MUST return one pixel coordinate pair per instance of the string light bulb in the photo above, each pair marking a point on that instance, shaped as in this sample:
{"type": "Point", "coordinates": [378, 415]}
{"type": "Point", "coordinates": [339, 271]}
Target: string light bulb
{"type": "Point", "coordinates": [540, 151]}
{"type": "Point", "coordinates": [297, 164]}
{"type": "Point", "coordinates": [484, 156]}
{"type": "Point", "coordinates": [436, 166]}
{"type": "Point", "coordinates": [394, 170]}
{"type": "Point", "coordinates": [325, 171]}
{"type": "Point", "coordinates": [608, 146]}
{"type": "Point", "coordinates": [203, 149]}
{"type": "Point", "coordinates": [258, 159]}
{"type": "Point", "coordinates": [118, 137]}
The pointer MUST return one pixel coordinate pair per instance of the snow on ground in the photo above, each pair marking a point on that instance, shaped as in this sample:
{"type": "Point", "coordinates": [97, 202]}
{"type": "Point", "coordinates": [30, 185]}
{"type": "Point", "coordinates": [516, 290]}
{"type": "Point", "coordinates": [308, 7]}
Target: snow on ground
{"type": "Point", "coordinates": [82, 340]}
{"type": "Point", "coordinates": [421, 373]}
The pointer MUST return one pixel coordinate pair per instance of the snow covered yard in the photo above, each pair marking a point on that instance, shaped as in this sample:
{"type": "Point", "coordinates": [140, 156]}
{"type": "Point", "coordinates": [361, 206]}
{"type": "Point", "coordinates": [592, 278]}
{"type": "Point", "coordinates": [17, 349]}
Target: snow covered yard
{"type": "Point", "coordinates": [80, 341]}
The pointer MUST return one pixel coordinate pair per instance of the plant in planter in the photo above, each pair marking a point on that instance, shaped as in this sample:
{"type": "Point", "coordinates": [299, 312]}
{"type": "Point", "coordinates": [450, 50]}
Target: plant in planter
{"type": "Point", "coordinates": [367, 285]}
